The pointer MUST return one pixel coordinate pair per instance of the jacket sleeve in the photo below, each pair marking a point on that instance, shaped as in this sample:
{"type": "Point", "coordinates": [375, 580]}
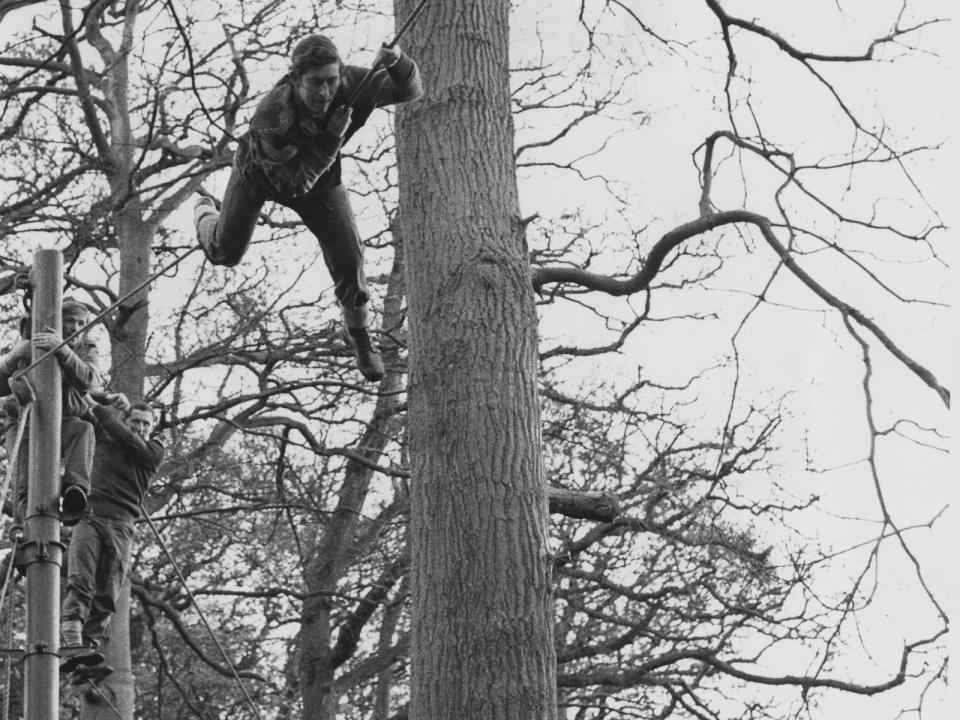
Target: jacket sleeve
{"type": "Point", "coordinates": [400, 83]}
{"type": "Point", "coordinates": [81, 369]}
{"type": "Point", "coordinates": [146, 452]}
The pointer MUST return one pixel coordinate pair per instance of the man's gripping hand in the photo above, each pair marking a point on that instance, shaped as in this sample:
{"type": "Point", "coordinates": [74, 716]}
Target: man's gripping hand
{"type": "Point", "coordinates": [47, 340]}
{"type": "Point", "coordinates": [388, 56]}
{"type": "Point", "coordinates": [119, 401]}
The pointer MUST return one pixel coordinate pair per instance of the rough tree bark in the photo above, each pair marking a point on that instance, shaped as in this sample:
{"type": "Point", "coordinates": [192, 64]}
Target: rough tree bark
{"type": "Point", "coordinates": [482, 638]}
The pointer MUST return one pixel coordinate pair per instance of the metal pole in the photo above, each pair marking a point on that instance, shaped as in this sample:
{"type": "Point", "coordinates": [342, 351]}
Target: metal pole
{"type": "Point", "coordinates": [42, 527]}
{"type": "Point", "coordinates": [106, 311]}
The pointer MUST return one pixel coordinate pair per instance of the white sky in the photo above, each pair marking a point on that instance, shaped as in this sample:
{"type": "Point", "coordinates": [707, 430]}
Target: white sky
{"type": "Point", "coordinates": [917, 98]}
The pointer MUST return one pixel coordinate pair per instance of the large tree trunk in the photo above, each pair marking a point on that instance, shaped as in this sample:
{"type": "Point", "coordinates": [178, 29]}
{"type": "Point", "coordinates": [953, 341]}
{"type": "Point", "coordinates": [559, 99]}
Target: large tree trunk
{"type": "Point", "coordinates": [482, 618]}
{"type": "Point", "coordinates": [128, 347]}
{"type": "Point", "coordinates": [134, 237]}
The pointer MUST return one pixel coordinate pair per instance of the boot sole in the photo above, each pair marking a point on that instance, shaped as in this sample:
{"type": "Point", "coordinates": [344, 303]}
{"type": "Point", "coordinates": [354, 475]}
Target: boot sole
{"type": "Point", "coordinates": [81, 659]}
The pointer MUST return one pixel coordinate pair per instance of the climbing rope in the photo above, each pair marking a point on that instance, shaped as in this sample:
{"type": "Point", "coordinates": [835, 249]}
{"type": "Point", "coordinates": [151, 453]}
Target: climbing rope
{"type": "Point", "coordinates": [365, 80]}
{"type": "Point", "coordinates": [203, 618]}
{"type": "Point", "coordinates": [169, 266]}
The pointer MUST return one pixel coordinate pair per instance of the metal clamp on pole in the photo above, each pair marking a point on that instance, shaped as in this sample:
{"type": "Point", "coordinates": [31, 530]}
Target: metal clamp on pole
{"type": "Point", "coordinates": [43, 551]}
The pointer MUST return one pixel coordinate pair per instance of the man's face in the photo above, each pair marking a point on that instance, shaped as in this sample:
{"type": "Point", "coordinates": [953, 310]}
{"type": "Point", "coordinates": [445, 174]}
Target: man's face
{"type": "Point", "coordinates": [72, 323]}
{"type": "Point", "coordinates": [317, 86]}
{"type": "Point", "coordinates": [140, 422]}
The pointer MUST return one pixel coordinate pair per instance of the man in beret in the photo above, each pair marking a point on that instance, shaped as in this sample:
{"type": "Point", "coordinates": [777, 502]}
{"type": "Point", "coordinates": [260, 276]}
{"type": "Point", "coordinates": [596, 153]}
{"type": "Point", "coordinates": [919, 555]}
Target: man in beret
{"type": "Point", "coordinates": [80, 374]}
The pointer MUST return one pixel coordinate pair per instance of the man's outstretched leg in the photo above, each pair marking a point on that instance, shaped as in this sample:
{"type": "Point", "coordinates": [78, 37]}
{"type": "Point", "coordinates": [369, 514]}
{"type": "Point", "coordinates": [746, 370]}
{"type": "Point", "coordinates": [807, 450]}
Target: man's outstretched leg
{"type": "Point", "coordinates": [357, 336]}
{"type": "Point", "coordinates": [224, 235]}
{"type": "Point", "coordinates": [327, 214]}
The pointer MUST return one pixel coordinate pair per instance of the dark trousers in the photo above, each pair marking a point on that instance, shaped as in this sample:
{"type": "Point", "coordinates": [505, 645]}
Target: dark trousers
{"type": "Point", "coordinates": [327, 214]}
{"type": "Point", "coordinates": [97, 563]}
{"type": "Point", "coordinates": [77, 441]}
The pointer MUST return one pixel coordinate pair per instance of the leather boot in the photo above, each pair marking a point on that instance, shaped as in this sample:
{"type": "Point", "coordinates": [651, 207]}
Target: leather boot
{"type": "Point", "coordinates": [369, 362]}
{"type": "Point", "coordinates": [203, 208]}
{"type": "Point", "coordinates": [73, 501]}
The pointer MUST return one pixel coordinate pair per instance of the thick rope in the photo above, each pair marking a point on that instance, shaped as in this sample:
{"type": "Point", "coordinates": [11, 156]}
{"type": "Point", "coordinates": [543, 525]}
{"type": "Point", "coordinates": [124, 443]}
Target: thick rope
{"type": "Point", "coordinates": [365, 80]}
{"type": "Point", "coordinates": [203, 618]}
{"type": "Point", "coordinates": [169, 266]}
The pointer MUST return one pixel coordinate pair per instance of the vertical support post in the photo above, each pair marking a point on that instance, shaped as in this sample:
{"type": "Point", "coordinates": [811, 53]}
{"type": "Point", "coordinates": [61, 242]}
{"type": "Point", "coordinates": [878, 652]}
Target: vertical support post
{"type": "Point", "coordinates": [42, 526]}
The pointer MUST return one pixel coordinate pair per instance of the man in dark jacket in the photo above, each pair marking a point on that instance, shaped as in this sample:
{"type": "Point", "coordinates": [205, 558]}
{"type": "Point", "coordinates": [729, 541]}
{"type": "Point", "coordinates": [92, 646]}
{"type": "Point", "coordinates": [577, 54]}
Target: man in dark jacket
{"type": "Point", "coordinates": [124, 463]}
{"type": "Point", "coordinates": [291, 155]}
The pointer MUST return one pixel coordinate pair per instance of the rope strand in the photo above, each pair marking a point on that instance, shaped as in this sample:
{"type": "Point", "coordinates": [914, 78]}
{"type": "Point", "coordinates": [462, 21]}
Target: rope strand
{"type": "Point", "coordinates": [365, 80]}
{"type": "Point", "coordinates": [203, 618]}
{"type": "Point", "coordinates": [109, 309]}
{"type": "Point", "coordinates": [103, 696]}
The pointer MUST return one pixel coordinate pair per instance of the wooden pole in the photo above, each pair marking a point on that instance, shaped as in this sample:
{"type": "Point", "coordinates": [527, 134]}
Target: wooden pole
{"type": "Point", "coordinates": [42, 526]}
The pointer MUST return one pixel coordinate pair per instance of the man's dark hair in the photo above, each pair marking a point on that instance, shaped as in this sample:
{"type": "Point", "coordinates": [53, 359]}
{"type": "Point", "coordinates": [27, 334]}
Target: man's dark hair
{"type": "Point", "coordinates": [313, 51]}
{"type": "Point", "coordinates": [143, 406]}
{"type": "Point", "coordinates": [73, 307]}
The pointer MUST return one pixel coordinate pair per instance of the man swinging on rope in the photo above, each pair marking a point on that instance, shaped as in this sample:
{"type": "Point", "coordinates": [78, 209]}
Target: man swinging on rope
{"type": "Point", "coordinates": [291, 155]}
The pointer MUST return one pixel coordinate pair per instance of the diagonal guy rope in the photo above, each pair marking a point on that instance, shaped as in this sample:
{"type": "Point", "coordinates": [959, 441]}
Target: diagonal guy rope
{"type": "Point", "coordinates": [92, 686]}
{"type": "Point", "coordinates": [166, 268]}
{"type": "Point", "coordinates": [203, 618]}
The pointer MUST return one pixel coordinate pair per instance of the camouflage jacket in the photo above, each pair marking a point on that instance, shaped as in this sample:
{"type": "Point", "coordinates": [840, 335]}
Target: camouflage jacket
{"type": "Point", "coordinates": [287, 152]}
{"type": "Point", "coordinates": [81, 374]}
